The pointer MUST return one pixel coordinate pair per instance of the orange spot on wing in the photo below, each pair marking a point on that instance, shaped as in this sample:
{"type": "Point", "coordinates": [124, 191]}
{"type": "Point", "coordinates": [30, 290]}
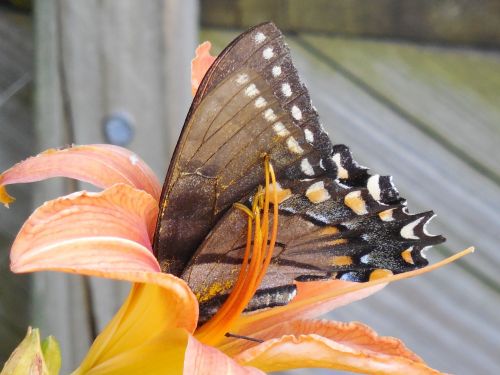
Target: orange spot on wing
{"type": "Point", "coordinates": [380, 274]}
{"type": "Point", "coordinates": [407, 256]}
{"type": "Point", "coordinates": [341, 260]}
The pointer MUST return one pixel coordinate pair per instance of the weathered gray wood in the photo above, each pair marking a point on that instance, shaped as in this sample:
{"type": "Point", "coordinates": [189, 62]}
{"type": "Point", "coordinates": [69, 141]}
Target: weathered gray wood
{"type": "Point", "coordinates": [101, 58]}
{"type": "Point", "coordinates": [448, 21]}
{"type": "Point", "coordinates": [458, 304]}
{"type": "Point", "coordinates": [16, 142]}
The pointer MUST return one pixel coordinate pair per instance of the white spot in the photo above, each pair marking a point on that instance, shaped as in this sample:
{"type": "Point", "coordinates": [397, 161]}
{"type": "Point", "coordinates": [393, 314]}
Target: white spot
{"type": "Point", "coordinates": [269, 115]}
{"type": "Point", "coordinates": [242, 78]}
{"type": "Point", "coordinates": [309, 136]}
{"type": "Point", "coordinates": [296, 113]}
{"type": "Point", "coordinates": [268, 53]}
{"type": "Point", "coordinates": [286, 90]}
{"type": "Point", "coordinates": [365, 259]}
{"type": "Point", "coordinates": [280, 129]}
{"type": "Point", "coordinates": [341, 171]}
{"type": "Point", "coordinates": [408, 230]}
{"type": "Point", "coordinates": [276, 71]}
{"type": "Point", "coordinates": [317, 193]}
{"type": "Point", "coordinates": [374, 187]}
{"type": "Point", "coordinates": [133, 159]}
{"type": "Point", "coordinates": [321, 164]}
{"type": "Point", "coordinates": [259, 38]}
{"type": "Point", "coordinates": [356, 203]}
{"type": "Point", "coordinates": [294, 146]}
{"type": "Point", "coordinates": [251, 91]}
{"type": "Point", "coordinates": [260, 102]}
{"type": "Point", "coordinates": [306, 167]}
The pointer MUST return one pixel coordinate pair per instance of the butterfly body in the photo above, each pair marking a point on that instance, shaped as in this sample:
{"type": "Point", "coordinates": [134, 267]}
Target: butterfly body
{"type": "Point", "coordinates": [335, 219]}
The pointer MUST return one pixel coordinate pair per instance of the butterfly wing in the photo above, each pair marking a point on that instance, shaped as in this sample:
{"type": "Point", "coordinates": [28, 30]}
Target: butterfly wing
{"type": "Point", "coordinates": [250, 103]}
{"type": "Point", "coordinates": [326, 230]}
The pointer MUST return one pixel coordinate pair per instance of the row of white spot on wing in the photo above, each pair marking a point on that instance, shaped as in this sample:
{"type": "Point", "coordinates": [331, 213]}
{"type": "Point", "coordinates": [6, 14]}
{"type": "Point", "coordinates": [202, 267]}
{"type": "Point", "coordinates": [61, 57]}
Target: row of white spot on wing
{"type": "Point", "coordinates": [306, 167]}
{"type": "Point", "coordinates": [309, 135]}
{"type": "Point", "coordinates": [286, 89]}
{"type": "Point", "coordinates": [341, 171]}
{"type": "Point", "coordinates": [276, 71]}
{"type": "Point", "coordinates": [260, 102]}
{"type": "Point", "coordinates": [242, 78]}
{"type": "Point", "coordinates": [269, 115]}
{"type": "Point", "coordinates": [280, 129]}
{"type": "Point", "coordinates": [294, 146]}
{"type": "Point", "coordinates": [373, 185]}
{"type": "Point", "coordinates": [252, 91]}
{"type": "Point", "coordinates": [259, 37]}
{"type": "Point", "coordinates": [408, 231]}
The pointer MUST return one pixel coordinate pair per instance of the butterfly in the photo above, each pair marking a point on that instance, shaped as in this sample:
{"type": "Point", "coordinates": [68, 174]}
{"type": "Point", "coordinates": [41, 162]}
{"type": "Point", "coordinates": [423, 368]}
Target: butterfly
{"type": "Point", "coordinates": [336, 221]}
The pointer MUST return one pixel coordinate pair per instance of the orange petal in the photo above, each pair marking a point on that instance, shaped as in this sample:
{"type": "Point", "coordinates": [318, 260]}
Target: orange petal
{"type": "Point", "coordinates": [353, 334]}
{"type": "Point", "coordinates": [89, 233]}
{"type": "Point", "coordinates": [200, 64]}
{"type": "Point", "coordinates": [100, 165]}
{"type": "Point", "coordinates": [352, 351]}
{"type": "Point", "coordinates": [202, 359]}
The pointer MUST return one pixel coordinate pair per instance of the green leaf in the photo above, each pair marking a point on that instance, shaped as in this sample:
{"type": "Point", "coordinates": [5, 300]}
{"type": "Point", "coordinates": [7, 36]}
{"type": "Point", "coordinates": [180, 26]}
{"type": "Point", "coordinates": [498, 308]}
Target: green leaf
{"type": "Point", "coordinates": [52, 355]}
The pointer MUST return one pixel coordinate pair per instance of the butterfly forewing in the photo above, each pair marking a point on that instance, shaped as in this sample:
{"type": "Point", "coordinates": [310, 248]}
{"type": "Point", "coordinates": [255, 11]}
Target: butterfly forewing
{"type": "Point", "coordinates": [250, 103]}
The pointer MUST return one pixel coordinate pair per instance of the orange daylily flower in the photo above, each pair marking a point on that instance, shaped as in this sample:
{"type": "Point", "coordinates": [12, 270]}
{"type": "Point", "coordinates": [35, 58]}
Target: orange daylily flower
{"type": "Point", "coordinates": [108, 234]}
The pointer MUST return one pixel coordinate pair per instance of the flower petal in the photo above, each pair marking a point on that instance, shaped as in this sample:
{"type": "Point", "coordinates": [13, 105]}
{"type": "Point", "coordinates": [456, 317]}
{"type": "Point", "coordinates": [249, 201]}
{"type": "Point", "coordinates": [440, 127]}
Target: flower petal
{"type": "Point", "coordinates": [354, 334]}
{"type": "Point", "coordinates": [349, 350]}
{"type": "Point", "coordinates": [251, 324]}
{"type": "Point", "coordinates": [101, 165]}
{"type": "Point", "coordinates": [202, 359]}
{"type": "Point", "coordinates": [200, 64]}
{"type": "Point", "coordinates": [148, 335]}
{"type": "Point", "coordinates": [89, 233]}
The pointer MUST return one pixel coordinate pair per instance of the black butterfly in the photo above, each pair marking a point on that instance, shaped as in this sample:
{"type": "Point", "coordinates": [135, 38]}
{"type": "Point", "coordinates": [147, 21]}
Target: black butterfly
{"type": "Point", "coordinates": [337, 220]}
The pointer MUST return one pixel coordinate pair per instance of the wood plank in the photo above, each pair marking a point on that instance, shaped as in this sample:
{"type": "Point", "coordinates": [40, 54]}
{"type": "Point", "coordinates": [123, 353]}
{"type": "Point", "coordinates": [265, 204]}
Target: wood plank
{"type": "Point", "coordinates": [456, 304]}
{"type": "Point", "coordinates": [430, 21]}
{"type": "Point", "coordinates": [98, 59]}
{"type": "Point", "coordinates": [16, 139]}
{"type": "Point", "coordinates": [453, 92]}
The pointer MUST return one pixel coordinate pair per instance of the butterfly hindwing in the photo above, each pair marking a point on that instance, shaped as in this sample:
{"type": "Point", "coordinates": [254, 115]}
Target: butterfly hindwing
{"type": "Point", "coordinates": [326, 230]}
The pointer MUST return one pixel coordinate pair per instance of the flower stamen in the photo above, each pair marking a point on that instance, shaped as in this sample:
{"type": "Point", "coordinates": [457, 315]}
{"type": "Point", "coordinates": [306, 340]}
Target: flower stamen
{"type": "Point", "coordinates": [260, 255]}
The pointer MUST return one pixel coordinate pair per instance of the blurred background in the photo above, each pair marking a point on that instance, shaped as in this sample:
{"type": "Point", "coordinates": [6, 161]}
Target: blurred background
{"type": "Point", "coordinates": [412, 86]}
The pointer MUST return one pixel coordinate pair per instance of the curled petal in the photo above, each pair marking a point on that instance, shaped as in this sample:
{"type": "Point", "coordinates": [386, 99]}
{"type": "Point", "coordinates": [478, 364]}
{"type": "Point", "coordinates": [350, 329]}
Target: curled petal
{"type": "Point", "coordinates": [355, 335]}
{"type": "Point", "coordinates": [312, 350]}
{"type": "Point", "coordinates": [200, 64]}
{"type": "Point", "coordinates": [89, 233]}
{"type": "Point", "coordinates": [205, 360]}
{"type": "Point", "coordinates": [100, 165]}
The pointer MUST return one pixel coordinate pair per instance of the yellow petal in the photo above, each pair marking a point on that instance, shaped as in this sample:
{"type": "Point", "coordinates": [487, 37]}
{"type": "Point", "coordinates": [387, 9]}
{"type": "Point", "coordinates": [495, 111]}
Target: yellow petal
{"type": "Point", "coordinates": [101, 165]}
{"type": "Point", "coordinates": [200, 64]}
{"type": "Point", "coordinates": [89, 233]}
{"type": "Point", "coordinates": [349, 353]}
{"type": "Point", "coordinates": [205, 360]}
{"type": "Point", "coordinates": [147, 336]}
